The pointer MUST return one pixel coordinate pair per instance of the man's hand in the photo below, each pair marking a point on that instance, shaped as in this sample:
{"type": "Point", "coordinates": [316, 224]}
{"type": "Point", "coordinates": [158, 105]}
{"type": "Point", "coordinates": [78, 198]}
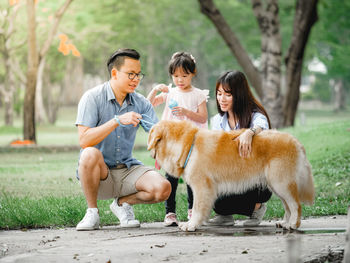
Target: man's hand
{"type": "Point", "coordinates": [130, 118]}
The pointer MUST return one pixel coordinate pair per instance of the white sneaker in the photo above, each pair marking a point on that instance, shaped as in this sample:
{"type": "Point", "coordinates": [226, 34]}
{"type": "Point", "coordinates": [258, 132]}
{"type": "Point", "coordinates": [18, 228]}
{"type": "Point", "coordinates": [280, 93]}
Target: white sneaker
{"type": "Point", "coordinates": [170, 220]}
{"type": "Point", "coordinates": [220, 220]}
{"type": "Point", "coordinates": [91, 220]}
{"type": "Point", "coordinates": [257, 216]}
{"type": "Point", "coordinates": [125, 214]}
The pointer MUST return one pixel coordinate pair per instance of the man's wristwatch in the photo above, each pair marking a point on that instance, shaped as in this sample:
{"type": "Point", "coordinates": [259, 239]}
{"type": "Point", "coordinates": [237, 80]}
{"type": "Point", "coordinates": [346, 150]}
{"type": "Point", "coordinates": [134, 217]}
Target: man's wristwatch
{"type": "Point", "coordinates": [253, 130]}
{"type": "Point", "coordinates": [117, 120]}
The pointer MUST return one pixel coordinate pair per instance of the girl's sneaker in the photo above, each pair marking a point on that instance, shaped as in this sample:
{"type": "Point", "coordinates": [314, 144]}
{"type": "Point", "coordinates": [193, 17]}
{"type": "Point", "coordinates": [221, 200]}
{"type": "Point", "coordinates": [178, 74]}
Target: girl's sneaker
{"type": "Point", "coordinates": [189, 214]}
{"type": "Point", "coordinates": [170, 219]}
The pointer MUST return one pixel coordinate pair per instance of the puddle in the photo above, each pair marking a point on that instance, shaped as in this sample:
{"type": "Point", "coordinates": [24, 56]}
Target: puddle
{"type": "Point", "coordinates": [321, 231]}
{"type": "Point", "coordinates": [258, 231]}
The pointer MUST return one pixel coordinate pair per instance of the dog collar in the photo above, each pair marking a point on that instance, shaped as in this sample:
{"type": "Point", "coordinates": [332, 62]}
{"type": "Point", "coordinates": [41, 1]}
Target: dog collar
{"type": "Point", "coordinates": [189, 154]}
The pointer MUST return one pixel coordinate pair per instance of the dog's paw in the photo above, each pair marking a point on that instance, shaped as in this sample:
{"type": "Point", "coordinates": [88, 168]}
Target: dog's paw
{"type": "Point", "coordinates": [281, 224]}
{"type": "Point", "coordinates": [187, 227]}
{"type": "Point", "coordinates": [292, 226]}
{"type": "Point", "coordinates": [286, 225]}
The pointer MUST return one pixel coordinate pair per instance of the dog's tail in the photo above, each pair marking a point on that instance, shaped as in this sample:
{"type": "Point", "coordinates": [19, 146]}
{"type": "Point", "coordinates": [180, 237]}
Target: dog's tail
{"type": "Point", "coordinates": [305, 179]}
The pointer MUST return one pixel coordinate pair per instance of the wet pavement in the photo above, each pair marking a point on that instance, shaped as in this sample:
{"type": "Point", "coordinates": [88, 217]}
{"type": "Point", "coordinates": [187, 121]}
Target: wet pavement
{"type": "Point", "coordinates": [152, 242]}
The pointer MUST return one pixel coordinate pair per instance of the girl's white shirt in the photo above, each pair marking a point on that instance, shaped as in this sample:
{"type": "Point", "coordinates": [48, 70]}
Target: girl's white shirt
{"type": "Point", "coordinates": [189, 100]}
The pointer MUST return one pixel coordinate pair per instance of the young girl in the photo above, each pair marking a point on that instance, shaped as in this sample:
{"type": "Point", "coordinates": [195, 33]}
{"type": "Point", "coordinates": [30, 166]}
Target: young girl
{"type": "Point", "coordinates": [183, 102]}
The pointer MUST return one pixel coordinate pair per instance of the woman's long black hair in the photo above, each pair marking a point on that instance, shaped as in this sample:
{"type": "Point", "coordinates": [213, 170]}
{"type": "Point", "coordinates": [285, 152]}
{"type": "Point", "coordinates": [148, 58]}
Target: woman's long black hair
{"type": "Point", "coordinates": [243, 102]}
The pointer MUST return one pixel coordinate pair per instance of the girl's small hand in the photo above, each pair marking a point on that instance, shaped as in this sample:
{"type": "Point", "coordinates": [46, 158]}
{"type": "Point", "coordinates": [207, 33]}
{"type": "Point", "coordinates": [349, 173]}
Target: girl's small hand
{"type": "Point", "coordinates": [245, 143]}
{"type": "Point", "coordinates": [179, 111]}
{"type": "Point", "coordinates": [162, 88]}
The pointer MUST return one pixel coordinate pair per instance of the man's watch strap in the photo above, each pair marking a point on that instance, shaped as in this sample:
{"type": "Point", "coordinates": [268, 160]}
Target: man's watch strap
{"type": "Point", "coordinates": [116, 117]}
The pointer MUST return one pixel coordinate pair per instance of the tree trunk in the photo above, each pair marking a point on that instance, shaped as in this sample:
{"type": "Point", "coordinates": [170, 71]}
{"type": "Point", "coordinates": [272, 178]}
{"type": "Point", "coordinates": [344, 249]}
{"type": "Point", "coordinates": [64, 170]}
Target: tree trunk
{"type": "Point", "coordinates": [8, 103]}
{"type": "Point", "coordinates": [53, 102]}
{"type": "Point", "coordinates": [268, 87]}
{"type": "Point", "coordinates": [29, 98]}
{"type": "Point", "coordinates": [339, 96]}
{"type": "Point", "coordinates": [34, 57]}
{"type": "Point", "coordinates": [40, 115]}
{"type": "Point", "coordinates": [73, 83]}
{"type": "Point", "coordinates": [7, 29]}
{"type": "Point", "coordinates": [7, 90]}
{"type": "Point", "coordinates": [209, 9]}
{"type": "Point", "coordinates": [271, 53]}
{"type": "Point", "coordinates": [305, 18]}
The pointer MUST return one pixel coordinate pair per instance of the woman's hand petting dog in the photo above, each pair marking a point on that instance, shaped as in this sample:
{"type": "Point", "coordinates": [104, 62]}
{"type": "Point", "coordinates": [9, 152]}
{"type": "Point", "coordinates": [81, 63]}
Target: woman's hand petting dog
{"type": "Point", "coordinates": [245, 143]}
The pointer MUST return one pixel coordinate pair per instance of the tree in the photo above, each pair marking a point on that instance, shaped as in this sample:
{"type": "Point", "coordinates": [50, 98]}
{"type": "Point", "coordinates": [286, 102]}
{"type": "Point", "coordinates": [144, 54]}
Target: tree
{"type": "Point", "coordinates": [267, 80]}
{"type": "Point", "coordinates": [8, 49]}
{"type": "Point", "coordinates": [34, 60]}
{"type": "Point", "coordinates": [331, 46]}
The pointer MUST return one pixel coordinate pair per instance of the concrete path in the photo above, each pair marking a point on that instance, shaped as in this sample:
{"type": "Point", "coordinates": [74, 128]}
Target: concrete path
{"type": "Point", "coordinates": [155, 243]}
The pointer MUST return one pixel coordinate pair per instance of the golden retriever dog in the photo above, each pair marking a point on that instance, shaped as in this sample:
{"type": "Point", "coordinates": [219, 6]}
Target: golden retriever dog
{"type": "Point", "coordinates": [210, 163]}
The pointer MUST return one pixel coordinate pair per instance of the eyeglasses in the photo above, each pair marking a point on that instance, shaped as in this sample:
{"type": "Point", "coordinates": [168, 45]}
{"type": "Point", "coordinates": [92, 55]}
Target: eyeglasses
{"type": "Point", "coordinates": [132, 75]}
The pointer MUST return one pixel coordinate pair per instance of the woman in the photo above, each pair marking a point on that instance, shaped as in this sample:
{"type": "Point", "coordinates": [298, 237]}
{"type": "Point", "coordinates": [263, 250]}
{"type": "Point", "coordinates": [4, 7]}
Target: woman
{"type": "Point", "coordinates": [238, 109]}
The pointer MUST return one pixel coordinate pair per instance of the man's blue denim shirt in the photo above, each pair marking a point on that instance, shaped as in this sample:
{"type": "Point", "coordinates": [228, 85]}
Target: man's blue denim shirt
{"type": "Point", "coordinates": [98, 105]}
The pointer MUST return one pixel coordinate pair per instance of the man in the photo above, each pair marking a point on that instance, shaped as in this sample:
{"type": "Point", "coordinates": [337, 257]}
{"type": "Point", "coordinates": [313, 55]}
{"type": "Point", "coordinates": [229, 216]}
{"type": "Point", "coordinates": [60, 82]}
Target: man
{"type": "Point", "coordinates": [108, 118]}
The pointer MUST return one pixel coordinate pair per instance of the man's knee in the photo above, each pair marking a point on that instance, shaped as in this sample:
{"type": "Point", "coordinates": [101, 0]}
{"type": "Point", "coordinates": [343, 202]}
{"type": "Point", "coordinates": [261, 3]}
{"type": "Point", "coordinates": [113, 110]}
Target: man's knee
{"type": "Point", "coordinates": [89, 157]}
{"type": "Point", "coordinates": [162, 191]}
{"type": "Point", "coordinates": [157, 186]}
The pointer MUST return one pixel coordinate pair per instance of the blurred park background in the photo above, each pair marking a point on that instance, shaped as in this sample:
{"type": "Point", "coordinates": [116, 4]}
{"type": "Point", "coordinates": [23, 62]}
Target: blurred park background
{"type": "Point", "coordinates": [295, 54]}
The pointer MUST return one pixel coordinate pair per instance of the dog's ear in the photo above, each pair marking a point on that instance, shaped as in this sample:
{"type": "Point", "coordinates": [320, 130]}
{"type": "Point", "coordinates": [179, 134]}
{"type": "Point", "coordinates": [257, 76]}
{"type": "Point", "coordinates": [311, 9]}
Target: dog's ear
{"type": "Point", "coordinates": [155, 135]}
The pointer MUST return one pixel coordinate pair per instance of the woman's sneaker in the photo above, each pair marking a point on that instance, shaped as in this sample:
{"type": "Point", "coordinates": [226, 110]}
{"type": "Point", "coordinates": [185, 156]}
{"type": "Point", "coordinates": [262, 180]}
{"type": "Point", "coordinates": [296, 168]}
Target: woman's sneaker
{"type": "Point", "coordinates": [257, 216]}
{"type": "Point", "coordinates": [91, 220]}
{"type": "Point", "coordinates": [220, 220]}
{"type": "Point", "coordinates": [170, 219]}
{"type": "Point", "coordinates": [125, 214]}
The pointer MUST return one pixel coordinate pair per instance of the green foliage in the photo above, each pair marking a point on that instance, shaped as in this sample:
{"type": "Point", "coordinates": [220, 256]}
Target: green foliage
{"type": "Point", "coordinates": [159, 28]}
{"type": "Point", "coordinates": [321, 90]}
{"type": "Point", "coordinates": [330, 39]}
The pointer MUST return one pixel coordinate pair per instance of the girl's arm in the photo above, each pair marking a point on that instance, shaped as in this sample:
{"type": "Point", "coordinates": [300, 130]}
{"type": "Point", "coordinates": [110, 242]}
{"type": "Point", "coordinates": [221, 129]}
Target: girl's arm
{"type": "Point", "coordinates": [200, 116]}
{"type": "Point", "coordinates": [152, 96]}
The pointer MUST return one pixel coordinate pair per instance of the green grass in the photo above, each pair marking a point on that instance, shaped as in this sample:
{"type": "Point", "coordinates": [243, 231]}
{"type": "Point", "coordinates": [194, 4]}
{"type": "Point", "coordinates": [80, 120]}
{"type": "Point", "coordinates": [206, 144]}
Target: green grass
{"type": "Point", "coordinates": [38, 187]}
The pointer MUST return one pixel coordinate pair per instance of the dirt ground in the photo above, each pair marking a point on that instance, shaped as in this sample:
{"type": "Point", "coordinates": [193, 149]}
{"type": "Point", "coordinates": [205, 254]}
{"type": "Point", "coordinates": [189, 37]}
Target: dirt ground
{"type": "Point", "coordinates": [317, 238]}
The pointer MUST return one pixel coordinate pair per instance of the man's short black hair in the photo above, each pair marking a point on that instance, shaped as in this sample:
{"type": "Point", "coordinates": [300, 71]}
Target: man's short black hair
{"type": "Point", "coordinates": [117, 59]}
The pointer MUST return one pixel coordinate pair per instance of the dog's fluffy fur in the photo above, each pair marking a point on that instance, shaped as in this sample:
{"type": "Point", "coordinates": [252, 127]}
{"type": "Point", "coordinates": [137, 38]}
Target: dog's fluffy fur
{"type": "Point", "coordinates": [215, 167]}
